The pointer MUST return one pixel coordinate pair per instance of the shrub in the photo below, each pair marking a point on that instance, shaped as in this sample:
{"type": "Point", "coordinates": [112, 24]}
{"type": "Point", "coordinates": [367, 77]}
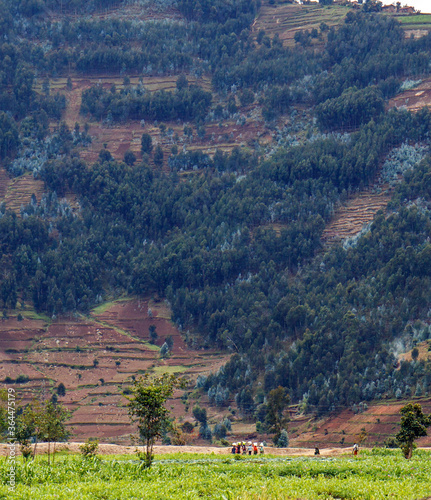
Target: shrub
{"type": "Point", "coordinates": [89, 448]}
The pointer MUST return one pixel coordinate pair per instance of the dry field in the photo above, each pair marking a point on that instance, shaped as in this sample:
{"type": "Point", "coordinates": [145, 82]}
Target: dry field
{"type": "Point", "coordinates": [286, 19]}
{"type": "Point", "coordinates": [414, 99]}
{"type": "Point", "coordinates": [350, 218]}
{"type": "Point", "coordinates": [380, 422]}
{"type": "Point", "coordinates": [121, 137]}
{"type": "Point", "coordinates": [17, 192]}
{"type": "Point", "coordinates": [96, 358]}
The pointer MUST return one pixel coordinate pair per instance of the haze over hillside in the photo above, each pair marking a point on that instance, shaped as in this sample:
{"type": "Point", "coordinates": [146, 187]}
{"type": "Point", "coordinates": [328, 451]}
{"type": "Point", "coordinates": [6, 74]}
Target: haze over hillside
{"type": "Point", "coordinates": [260, 171]}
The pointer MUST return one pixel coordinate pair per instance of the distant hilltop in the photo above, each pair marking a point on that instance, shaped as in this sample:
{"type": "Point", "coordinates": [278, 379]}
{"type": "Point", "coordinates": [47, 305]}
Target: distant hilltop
{"type": "Point", "coordinates": [394, 7]}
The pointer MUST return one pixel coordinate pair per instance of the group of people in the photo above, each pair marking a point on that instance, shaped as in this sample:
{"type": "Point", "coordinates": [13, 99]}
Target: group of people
{"type": "Point", "coordinates": [250, 448]}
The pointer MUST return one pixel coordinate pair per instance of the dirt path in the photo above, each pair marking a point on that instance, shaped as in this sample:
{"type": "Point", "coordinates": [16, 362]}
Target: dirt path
{"type": "Point", "coordinates": [113, 449]}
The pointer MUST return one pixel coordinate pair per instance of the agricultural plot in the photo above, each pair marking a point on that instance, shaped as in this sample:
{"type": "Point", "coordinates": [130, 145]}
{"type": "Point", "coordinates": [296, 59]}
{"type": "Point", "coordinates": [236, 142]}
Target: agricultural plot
{"type": "Point", "coordinates": [416, 22]}
{"type": "Point", "coordinates": [120, 137]}
{"type": "Point", "coordinates": [379, 422]}
{"type": "Point", "coordinates": [373, 475]}
{"type": "Point", "coordinates": [20, 190]}
{"type": "Point", "coordinates": [357, 213]}
{"type": "Point", "coordinates": [287, 19]}
{"type": "Point", "coordinates": [96, 358]}
{"type": "Point", "coordinates": [415, 98]}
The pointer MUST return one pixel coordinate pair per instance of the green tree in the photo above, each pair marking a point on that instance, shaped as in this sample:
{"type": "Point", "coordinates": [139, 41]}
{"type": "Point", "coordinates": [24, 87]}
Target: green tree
{"type": "Point", "coordinates": [275, 419]}
{"type": "Point", "coordinates": [153, 334]}
{"type": "Point", "coordinates": [413, 426]}
{"type": "Point", "coordinates": [147, 407]}
{"type": "Point", "coordinates": [52, 426]}
{"type": "Point", "coordinates": [158, 155]}
{"type": "Point", "coordinates": [146, 143]}
{"type": "Point", "coordinates": [61, 389]}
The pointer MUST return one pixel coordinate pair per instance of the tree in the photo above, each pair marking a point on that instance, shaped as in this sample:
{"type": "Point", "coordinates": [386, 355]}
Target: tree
{"type": "Point", "coordinates": [200, 414]}
{"type": "Point", "coordinates": [158, 155]}
{"type": "Point", "coordinates": [153, 334]}
{"type": "Point", "coordinates": [129, 158]}
{"type": "Point", "coordinates": [61, 389]}
{"type": "Point", "coordinates": [146, 143]}
{"type": "Point", "coordinates": [413, 426]}
{"type": "Point", "coordinates": [147, 407]}
{"type": "Point", "coordinates": [52, 424]}
{"type": "Point", "coordinates": [275, 419]}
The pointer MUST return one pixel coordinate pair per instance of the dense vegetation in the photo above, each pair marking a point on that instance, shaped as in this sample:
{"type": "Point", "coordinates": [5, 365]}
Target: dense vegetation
{"type": "Point", "coordinates": [372, 475]}
{"type": "Point", "coordinates": [324, 325]}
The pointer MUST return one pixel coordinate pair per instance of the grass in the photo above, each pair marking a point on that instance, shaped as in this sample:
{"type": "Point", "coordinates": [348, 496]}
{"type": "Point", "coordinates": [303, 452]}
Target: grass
{"type": "Point", "coordinates": [422, 19]}
{"type": "Point", "coordinates": [372, 475]}
{"type": "Point", "coordinates": [107, 305]}
{"type": "Point", "coordinates": [159, 370]}
{"type": "Point", "coordinates": [33, 315]}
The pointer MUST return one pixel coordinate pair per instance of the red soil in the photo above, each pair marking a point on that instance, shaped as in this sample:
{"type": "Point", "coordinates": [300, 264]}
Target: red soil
{"type": "Point", "coordinates": [350, 218]}
{"type": "Point", "coordinates": [380, 421]}
{"type": "Point", "coordinates": [414, 99]}
{"type": "Point", "coordinates": [65, 350]}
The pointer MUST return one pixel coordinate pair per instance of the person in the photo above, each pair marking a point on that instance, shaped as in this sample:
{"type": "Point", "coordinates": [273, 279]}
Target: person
{"type": "Point", "coordinates": [355, 449]}
{"type": "Point", "coordinates": [254, 448]}
{"type": "Point", "coordinates": [244, 448]}
{"type": "Point", "coordinates": [233, 448]}
{"type": "Point", "coordinates": [249, 447]}
{"type": "Point", "coordinates": [316, 451]}
{"type": "Point", "coordinates": [261, 449]}
{"type": "Point", "coordinates": [238, 448]}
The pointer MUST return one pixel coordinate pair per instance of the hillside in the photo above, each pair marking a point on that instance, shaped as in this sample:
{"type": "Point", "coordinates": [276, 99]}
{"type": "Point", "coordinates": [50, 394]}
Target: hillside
{"type": "Point", "coordinates": [262, 170]}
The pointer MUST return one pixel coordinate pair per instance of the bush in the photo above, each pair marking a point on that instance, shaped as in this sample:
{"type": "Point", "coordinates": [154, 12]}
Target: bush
{"type": "Point", "coordinates": [89, 448]}
{"type": "Point", "coordinates": [283, 440]}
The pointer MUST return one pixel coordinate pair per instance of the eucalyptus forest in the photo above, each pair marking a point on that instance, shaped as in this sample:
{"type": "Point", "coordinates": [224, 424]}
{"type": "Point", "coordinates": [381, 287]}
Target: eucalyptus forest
{"type": "Point", "coordinates": [232, 240]}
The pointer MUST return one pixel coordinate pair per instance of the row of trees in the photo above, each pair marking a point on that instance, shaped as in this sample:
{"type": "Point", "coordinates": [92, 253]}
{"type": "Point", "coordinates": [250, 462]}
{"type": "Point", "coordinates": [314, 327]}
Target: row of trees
{"type": "Point", "coordinates": [188, 103]}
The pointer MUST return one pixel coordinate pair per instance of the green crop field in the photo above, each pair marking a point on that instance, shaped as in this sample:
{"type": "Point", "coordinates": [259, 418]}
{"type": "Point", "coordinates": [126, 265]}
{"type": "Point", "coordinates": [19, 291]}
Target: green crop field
{"type": "Point", "coordinates": [373, 474]}
{"type": "Point", "coordinates": [414, 20]}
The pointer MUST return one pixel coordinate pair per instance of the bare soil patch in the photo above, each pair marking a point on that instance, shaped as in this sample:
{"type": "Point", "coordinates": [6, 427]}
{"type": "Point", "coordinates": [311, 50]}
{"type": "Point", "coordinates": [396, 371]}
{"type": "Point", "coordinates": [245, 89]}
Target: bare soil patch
{"type": "Point", "coordinates": [360, 210]}
{"type": "Point", "coordinates": [414, 99]}
{"type": "Point", "coordinates": [114, 449]}
{"type": "Point", "coordinates": [20, 190]}
{"type": "Point", "coordinates": [380, 421]}
{"type": "Point", "coordinates": [96, 358]}
{"type": "Point", "coordinates": [287, 19]}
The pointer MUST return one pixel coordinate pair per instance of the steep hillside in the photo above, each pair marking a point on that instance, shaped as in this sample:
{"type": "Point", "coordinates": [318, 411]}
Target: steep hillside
{"type": "Point", "coordinates": [205, 153]}
{"type": "Point", "coordinates": [95, 358]}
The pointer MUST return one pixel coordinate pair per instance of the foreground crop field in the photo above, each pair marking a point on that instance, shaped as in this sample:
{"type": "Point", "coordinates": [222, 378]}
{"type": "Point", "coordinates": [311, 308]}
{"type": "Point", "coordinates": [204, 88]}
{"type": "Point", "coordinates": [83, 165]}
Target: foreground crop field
{"type": "Point", "coordinates": [375, 474]}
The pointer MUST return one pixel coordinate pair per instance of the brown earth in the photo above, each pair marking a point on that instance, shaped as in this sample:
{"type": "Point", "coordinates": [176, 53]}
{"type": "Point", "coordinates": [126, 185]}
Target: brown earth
{"type": "Point", "coordinates": [414, 99]}
{"type": "Point", "coordinates": [287, 19]}
{"type": "Point", "coordinates": [380, 422]}
{"type": "Point", "coordinates": [121, 137]}
{"type": "Point", "coordinates": [96, 358]}
{"type": "Point", "coordinates": [360, 210]}
{"type": "Point", "coordinates": [113, 449]}
{"type": "Point", "coordinates": [17, 192]}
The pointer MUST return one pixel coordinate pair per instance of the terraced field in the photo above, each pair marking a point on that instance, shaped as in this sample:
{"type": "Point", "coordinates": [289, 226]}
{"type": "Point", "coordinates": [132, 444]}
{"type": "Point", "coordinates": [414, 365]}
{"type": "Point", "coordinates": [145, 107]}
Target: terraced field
{"type": "Point", "coordinates": [414, 99]}
{"type": "Point", "coordinates": [20, 189]}
{"type": "Point", "coordinates": [359, 211]}
{"type": "Point", "coordinates": [286, 19]}
{"type": "Point", "coordinates": [96, 357]}
{"type": "Point", "coordinates": [379, 421]}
